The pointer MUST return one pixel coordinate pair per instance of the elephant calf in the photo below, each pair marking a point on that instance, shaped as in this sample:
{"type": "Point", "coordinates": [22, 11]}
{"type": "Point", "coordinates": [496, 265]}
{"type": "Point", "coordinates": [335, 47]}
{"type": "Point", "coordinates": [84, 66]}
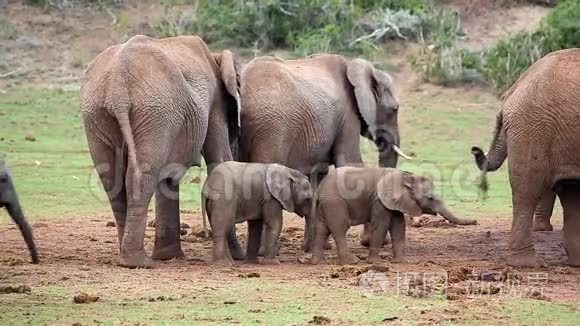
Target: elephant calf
{"type": "Point", "coordinates": [379, 196]}
{"type": "Point", "coordinates": [235, 192]}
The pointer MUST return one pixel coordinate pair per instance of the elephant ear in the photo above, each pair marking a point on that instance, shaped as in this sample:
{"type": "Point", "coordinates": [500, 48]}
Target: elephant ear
{"type": "Point", "coordinates": [230, 73]}
{"type": "Point", "coordinates": [278, 181]}
{"type": "Point", "coordinates": [394, 192]}
{"type": "Point", "coordinates": [360, 75]}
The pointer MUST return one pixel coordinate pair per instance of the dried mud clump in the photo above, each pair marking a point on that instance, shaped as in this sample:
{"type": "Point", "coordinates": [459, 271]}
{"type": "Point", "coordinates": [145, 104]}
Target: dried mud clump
{"type": "Point", "coordinates": [85, 298]}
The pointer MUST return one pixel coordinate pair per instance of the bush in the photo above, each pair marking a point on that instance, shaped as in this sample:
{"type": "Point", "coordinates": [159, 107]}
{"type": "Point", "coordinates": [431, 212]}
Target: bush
{"type": "Point", "coordinates": [509, 58]}
{"type": "Point", "coordinates": [307, 26]}
{"type": "Point", "coordinates": [440, 61]}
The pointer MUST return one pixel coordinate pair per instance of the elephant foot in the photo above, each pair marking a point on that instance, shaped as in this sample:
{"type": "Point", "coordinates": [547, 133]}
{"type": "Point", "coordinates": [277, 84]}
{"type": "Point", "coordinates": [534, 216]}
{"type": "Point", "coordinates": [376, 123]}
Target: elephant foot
{"type": "Point", "coordinates": [270, 261]}
{"type": "Point", "coordinates": [238, 253]}
{"type": "Point", "coordinates": [398, 260]}
{"type": "Point", "coordinates": [527, 260]}
{"type": "Point", "coordinates": [251, 260]}
{"type": "Point", "coordinates": [223, 262]}
{"type": "Point", "coordinates": [315, 260]}
{"type": "Point", "coordinates": [167, 253]}
{"type": "Point", "coordinates": [327, 246]}
{"type": "Point", "coordinates": [543, 226]}
{"type": "Point", "coordinates": [349, 259]}
{"type": "Point", "coordinates": [139, 260]}
{"type": "Point", "coordinates": [365, 242]}
{"type": "Point", "coordinates": [375, 259]}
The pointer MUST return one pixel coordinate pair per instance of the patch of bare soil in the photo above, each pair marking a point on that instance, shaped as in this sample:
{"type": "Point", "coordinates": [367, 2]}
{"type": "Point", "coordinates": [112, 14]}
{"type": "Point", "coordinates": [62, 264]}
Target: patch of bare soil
{"type": "Point", "coordinates": [52, 47]}
{"type": "Point", "coordinates": [487, 21]}
{"type": "Point", "coordinates": [84, 250]}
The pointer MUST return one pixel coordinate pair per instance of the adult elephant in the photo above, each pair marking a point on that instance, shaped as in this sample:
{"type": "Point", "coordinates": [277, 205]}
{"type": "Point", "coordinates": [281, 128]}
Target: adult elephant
{"type": "Point", "coordinates": [538, 130]}
{"type": "Point", "coordinates": [9, 200]}
{"type": "Point", "coordinates": [310, 112]}
{"type": "Point", "coordinates": [151, 109]}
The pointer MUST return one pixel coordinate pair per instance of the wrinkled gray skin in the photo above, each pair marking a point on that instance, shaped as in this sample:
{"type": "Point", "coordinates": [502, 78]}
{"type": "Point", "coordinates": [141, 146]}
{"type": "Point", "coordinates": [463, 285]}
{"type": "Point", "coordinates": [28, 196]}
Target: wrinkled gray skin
{"type": "Point", "coordinates": [151, 108]}
{"type": "Point", "coordinates": [544, 211]}
{"type": "Point", "coordinates": [538, 131]}
{"type": "Point", "coordinates": [379, 196]}
{"type": "Point", "coordinates": [236, 192]}
{"type": "Point", "coordinates": [310, 113]}
{"type": "Point", "coordinates": [9, 200]}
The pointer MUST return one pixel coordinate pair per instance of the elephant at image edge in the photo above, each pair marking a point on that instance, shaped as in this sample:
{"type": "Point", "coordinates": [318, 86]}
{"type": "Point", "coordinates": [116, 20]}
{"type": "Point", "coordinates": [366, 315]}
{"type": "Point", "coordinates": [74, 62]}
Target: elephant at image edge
{"type": "Point", "coordinates": [9, 199]}
{"type": "Point", "coordinates": [151, 108]}
{"type": "Point", "coordinates": [235, 192]}
{"type": "Point", "coordinates": [379, 196]}
{"type": "Point", "coordinates": [538, 130]}
{"type": "Point", "coordinates": [309, 112]}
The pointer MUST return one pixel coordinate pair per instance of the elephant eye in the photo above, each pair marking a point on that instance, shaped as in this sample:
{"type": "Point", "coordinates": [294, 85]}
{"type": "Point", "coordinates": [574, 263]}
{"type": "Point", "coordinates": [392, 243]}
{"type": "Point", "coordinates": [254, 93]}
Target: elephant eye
{"type": "Point", "coordinates": [3, 179]}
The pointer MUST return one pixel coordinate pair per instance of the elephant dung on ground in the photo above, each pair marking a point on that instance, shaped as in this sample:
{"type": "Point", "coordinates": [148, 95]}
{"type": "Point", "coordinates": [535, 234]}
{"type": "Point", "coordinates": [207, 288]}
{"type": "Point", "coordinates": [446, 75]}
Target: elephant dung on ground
{"type": "Point", "coordinates": [379, 196]}
{"type": "Point", "coordinates": [236, 192]}
{"type": "Point", "coordinates": [538, 130]}
{"type": "Point", "coordinates": [310, 113]}
{"type": "Point", "coordinates": [9, 200]}
{"type": "Point", "coordinates": [151, 108]}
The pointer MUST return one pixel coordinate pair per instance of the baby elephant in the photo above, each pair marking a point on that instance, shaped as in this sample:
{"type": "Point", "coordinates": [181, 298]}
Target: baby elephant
{"type": "Point", "coordinates": [379, 196]}
{"type": "Point", "coordinates": [235, 192]}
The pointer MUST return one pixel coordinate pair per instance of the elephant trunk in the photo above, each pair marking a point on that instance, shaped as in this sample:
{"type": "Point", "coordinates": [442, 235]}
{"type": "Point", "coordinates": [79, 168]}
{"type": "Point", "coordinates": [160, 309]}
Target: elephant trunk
{"type": "Point", "coordinates": [448, 215]}
{"type": "Point", "coordinates": [15, 212]}
{"type": "Point", "coordinates": [388, 145]}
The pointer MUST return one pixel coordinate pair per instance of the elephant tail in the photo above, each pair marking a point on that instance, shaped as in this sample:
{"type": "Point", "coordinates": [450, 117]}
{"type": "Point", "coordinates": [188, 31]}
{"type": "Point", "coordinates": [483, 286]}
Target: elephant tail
{"type": "Point", "coordinates": [204, 215]}
{"type": "Point", "coordinates": [496, 155]}
{"type": "Point", "coordinates": [122, 116]}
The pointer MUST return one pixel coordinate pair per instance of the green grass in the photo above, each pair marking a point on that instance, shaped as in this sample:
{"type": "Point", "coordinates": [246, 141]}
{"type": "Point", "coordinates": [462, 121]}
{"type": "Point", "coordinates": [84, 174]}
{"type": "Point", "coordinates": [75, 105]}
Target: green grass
{"type": "Point", "coordinates": [259, 301]}
{"type": "Point", "coordinates": [54, 174]}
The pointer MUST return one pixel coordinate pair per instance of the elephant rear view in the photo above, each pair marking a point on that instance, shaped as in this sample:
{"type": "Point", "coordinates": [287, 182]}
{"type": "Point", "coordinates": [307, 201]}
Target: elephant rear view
{"type": "Point", "coordinates": [151, 109]}
{"type": "Point", "coordinates": [538, 130]}
{"type": "Point", "coordinates": [9, 200]}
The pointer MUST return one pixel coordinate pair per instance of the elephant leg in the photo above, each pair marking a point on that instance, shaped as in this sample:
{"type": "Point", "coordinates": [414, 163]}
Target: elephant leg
{"type": "Point", "coordinates": [273, 226]}
{"type": "Point", "coordinates": [544, 212]}
{"type": "Point", "coordinates": [521, 247]}
{"type": "Point", "coordinates": [379, 226]}
{"type": "Point", "coordinates": [315, 177]}
{"type": "Point", "coordinates": [321, 233]}
{"type": "Point", "coordinates": [254, 239]}
{"type": "Point", "coordinates": [111, 166]}
{"type": "Point", "coordinates": [167, 221]}
{"type": "Point", "coordinates": [140, 189]}
{"type": "Point", "coordinates": [338, 226]}
{"type": "Point", "coordinates": [398, 230]}
{"type": "Point", "coordinates": [234, 246]}
{"type": "Point", "coordinates": [569, 195]}
{"type": "Point", "coordinates": [222, 222]}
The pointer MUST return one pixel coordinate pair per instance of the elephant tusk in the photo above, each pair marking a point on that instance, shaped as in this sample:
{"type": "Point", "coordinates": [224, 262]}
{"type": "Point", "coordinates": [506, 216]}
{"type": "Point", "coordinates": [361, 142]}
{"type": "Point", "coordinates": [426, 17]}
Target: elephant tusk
{"type": "Point", "coordinates": [400, 153]}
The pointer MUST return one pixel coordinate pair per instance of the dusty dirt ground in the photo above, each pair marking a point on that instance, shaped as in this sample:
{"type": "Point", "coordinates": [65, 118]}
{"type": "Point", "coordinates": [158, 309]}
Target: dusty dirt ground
{"type": "Point", "coordinates": [85, 250]}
